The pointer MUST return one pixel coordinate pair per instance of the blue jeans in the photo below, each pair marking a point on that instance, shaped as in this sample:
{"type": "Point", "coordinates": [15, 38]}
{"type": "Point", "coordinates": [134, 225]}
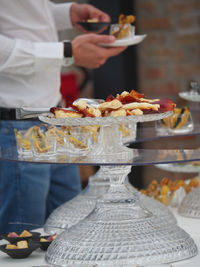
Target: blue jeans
{"type": "Point", "coordinates": [29, 192]}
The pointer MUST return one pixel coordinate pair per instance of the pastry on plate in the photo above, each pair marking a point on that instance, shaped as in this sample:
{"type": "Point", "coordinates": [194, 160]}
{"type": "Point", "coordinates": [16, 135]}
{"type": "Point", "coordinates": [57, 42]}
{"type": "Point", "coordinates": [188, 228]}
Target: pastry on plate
{"type": "Point", "coordinates": [123, 28]}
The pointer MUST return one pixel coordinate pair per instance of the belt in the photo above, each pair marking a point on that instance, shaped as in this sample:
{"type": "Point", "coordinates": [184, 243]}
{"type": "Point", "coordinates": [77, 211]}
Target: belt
{"type": "Point", "coordinates": [10, 113]}
{"type": "Point", "coordinates": [7, 114]}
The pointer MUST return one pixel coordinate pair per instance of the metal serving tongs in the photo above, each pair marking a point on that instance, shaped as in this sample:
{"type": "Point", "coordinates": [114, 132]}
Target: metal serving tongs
{"type": "Point", "coordinates": [27, 113]}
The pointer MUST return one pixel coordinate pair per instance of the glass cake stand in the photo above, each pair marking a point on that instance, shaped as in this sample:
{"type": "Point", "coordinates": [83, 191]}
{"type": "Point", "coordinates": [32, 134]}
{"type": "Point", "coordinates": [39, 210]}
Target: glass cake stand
{"type": "Point", "coordinates": [190, 205]}
{"type": "Point", "coordinates": [119, 230]}
{"type": "Point", "coordinates": [190, 96]}
{"type": "Point", "coordinates": [79, 207]}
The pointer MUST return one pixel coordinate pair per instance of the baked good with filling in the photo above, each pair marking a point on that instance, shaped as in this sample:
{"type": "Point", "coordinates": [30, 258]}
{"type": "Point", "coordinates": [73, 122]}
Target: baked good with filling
{"type": "Point", "coordinates": [123, 28]}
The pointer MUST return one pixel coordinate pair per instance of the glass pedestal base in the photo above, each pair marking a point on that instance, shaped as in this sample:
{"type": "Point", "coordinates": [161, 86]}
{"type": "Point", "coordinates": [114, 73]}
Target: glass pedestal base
{"type": "Point", "coordinates": [75, 210]}
{"type": "Point", "coordinates": [120, 231]}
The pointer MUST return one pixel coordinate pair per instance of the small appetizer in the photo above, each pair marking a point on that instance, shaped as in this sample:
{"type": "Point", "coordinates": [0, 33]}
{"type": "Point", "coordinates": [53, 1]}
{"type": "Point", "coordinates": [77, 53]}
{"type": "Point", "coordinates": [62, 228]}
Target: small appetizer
{"type": "Point", "coordinates": [123, 28]}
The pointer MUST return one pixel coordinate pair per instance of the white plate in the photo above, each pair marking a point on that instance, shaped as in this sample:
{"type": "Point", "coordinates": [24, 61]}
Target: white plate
{"type": "Point", "coordinates": [132, 40]}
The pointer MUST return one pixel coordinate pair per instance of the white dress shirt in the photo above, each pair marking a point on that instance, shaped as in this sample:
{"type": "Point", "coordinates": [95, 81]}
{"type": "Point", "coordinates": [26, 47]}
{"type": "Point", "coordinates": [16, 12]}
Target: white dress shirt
{"type": "Point", "coordinates": [30, 54]}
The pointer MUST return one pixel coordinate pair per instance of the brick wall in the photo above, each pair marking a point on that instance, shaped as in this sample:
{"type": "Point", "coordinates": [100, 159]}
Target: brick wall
{"type": "Point", "coordinates": [170, 56]}
{"type": "Point", "coordinates": [168, 59]}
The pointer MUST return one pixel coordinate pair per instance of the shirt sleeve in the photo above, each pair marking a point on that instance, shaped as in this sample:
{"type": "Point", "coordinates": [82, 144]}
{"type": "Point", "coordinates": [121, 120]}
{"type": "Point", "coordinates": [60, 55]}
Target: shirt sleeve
{"type": "Point", "coordinates": [24, 57]}
{"type": "Point", "coordinates": [61, 14]}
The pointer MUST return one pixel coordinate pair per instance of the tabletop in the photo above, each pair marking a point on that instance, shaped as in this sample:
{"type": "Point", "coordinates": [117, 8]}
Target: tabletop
{"type": "Point", "coordinates": [36, 259]}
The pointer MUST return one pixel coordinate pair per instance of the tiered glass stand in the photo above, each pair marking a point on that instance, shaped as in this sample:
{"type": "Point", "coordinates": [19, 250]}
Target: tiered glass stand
{"type": "Point", "coordinates": [119, 230]}
{"type": "Point", "coordinates": [190, 206]}
{"type": "Point", "coordinates": [79, 207]}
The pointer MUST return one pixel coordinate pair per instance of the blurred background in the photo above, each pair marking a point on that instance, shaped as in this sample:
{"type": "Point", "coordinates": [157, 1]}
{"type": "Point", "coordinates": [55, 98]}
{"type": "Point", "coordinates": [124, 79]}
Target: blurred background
{"type": "Point", "coordinates": [161, 66]}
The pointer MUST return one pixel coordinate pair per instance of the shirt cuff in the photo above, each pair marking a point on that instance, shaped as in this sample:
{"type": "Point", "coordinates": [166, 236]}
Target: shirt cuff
{"type": "Point", "coordinates": [61, 13]}
{"type": "Point", "coordinates": [48, 50]}
{"type": "Point", "coordinates": [51, 54]}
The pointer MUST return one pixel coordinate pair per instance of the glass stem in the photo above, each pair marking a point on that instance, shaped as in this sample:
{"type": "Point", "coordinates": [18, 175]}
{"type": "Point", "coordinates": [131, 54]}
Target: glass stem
{"type": "Point", "coordinates": [110, 147]}
{"type": "Point", "coordinates": [118, 191]}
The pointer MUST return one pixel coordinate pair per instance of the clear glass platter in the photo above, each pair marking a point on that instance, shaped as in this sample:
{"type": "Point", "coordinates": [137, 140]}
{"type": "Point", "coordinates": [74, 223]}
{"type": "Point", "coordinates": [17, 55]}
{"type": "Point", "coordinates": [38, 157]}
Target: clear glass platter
{"type": "Point", "coordinates": [140, 157]}
{"type": "Point", "coordinates": [177, 167]}
{"type": "Point", "coordinates": [49, 118]}
{"type": "Point", "coordinates": [150, 133]}
{"type": "Point", "coordinates": [110, 150]}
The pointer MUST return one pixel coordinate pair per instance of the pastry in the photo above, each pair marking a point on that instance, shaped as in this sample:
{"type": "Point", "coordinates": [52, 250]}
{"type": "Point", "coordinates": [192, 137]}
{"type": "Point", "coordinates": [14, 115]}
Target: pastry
{"type": "Point", "coordinates": [123, 28]}
{"type": "Point", "coordinates": [124, 104]}
{"type": "Point", "coordinates": [25, 234]}
{"type": "Point", "coordinates": [87, 110]}
{"type": "Point", "coordinates": [10, 246]}
{"type": "Point", "coordinates": [110, 105]}
{"type": "Point", "coordinates": [22, 244]}
{"type": "Point", "coordinates": [62, 113]}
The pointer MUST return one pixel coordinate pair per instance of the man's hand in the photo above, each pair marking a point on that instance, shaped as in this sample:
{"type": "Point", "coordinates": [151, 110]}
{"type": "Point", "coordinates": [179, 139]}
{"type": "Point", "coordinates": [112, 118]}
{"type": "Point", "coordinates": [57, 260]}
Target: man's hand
{"type": "Point", "coordinates": [88, 53]}
{"type": "Point", "coordinates": [83, 12]}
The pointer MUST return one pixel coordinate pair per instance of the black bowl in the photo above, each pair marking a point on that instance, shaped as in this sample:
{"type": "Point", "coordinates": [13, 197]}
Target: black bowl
{"type": "Point", "coordinates": [94, 26]}
{"type": "Point", "coordinates": [20, 253]}
{"type": "Point", "coordinates": [44, 245]}
{"type": "Point", "coordinates": [14, 240]}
